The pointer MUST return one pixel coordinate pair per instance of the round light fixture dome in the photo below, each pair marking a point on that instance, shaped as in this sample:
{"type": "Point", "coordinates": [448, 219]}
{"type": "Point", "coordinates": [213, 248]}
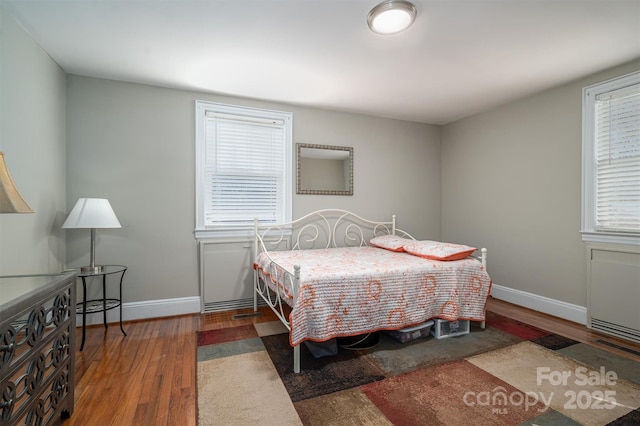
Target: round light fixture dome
{"type": "Point", "coordinates": [391, 16]}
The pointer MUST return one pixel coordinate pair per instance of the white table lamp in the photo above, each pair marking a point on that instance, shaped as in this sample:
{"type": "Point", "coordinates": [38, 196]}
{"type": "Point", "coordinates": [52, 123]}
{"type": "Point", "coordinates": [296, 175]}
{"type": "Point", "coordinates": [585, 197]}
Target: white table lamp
{"type": "Point", "coordinates": [92, 213]}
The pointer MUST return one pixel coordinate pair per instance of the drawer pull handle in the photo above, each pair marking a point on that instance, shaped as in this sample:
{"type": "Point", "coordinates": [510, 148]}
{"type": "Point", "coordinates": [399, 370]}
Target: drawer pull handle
{"type": "Point", "coordinates": [6, 348]}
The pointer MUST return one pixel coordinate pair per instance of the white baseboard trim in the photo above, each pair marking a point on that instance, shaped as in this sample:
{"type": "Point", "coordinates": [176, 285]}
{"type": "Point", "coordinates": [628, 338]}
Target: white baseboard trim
{"type": "Point", "coordinates": [191, 305]}
{"type": "Point", "coordinates": [557, 308]}
{"type": "Point", "coordinates": [146, 309]}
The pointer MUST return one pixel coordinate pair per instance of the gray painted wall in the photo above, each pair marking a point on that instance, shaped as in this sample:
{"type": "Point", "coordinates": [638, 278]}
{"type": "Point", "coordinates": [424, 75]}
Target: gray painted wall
{"type": "Point", "coordinates": [511, 181]}
{"type": "Point", "coordinates": [134, 144]}
{"type": "Point", "coordinates": [32, 136]}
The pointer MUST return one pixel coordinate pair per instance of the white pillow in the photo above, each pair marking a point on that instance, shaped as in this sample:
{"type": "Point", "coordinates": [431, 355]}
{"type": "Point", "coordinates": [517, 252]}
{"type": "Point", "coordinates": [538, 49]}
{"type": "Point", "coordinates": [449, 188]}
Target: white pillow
{"type": "Point", "coordinates": [438, 251]}
{"type": "Point", "coordinates": [389, 242]}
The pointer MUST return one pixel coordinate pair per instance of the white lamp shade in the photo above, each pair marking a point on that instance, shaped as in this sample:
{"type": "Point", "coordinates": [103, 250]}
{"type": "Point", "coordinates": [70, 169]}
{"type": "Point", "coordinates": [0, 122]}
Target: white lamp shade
{"type": "Point", "coordinates": [92, 213]}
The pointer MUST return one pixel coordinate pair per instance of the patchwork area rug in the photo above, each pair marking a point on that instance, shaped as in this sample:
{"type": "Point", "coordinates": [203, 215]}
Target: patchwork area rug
{"type": "Point", "coordinates": [507, 374]}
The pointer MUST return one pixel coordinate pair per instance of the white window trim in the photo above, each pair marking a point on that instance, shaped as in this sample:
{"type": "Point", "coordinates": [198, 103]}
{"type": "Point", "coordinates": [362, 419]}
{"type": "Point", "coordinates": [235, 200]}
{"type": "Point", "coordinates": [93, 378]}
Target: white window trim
{"type": "Point", "coordinates": [589, 93]}
{"type": "Point", "coordinates": [201, 108]}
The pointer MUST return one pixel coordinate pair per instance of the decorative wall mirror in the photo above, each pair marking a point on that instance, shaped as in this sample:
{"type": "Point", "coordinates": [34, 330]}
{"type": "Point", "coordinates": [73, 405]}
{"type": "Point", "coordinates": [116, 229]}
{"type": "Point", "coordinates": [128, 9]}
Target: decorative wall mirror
{"type": "Point", "coordinates": [324, 169]}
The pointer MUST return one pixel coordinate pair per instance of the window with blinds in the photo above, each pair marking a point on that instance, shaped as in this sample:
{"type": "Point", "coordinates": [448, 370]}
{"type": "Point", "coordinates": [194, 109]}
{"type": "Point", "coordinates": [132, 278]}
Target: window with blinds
{"type": "Point", "coordinates": [611, 156]}
{"type": "Point", "coordinates": [243, 158]}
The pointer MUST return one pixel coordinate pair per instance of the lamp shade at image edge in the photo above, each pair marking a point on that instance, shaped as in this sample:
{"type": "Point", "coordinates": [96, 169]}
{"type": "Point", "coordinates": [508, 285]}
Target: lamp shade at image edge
{"type": "Point", "coordinates": [11, 200]}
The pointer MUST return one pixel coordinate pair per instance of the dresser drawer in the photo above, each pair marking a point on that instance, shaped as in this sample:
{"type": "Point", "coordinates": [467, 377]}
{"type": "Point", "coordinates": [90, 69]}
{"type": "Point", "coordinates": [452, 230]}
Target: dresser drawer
{"type": "Point", "coordinates": [37, 351]}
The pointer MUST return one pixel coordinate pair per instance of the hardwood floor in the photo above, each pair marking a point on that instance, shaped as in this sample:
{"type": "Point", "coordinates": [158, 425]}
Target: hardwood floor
{"type": "Point", "coordinates": [148, 377]}
{"type": "Point", "coordinates": [566, 328]}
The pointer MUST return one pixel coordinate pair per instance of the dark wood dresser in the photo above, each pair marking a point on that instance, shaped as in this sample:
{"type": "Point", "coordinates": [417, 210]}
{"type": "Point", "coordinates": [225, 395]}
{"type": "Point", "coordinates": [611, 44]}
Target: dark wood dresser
{"type": "Point", "coordinates": [37, 348]}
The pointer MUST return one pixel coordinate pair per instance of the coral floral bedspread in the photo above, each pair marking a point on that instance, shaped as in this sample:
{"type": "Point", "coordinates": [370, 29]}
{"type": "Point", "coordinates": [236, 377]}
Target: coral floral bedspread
{"type": "Point", "coordinates": [355, 290]}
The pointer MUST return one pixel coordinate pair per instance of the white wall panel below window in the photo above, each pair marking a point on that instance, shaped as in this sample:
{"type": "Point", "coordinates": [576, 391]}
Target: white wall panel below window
{"type": "Point", "coordinates": [614, 290]}
{"type": "Point", "coordinates": [226, 274]}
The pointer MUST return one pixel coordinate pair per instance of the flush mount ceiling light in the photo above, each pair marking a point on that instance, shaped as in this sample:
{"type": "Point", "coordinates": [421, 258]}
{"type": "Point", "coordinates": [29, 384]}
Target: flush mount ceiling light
{"type": "Point", "coordinates": [391, 16]}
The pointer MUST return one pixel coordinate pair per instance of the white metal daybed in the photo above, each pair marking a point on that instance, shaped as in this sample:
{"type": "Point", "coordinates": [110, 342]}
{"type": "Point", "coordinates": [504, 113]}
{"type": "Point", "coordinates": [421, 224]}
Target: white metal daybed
{"type": "Point", "coordinates": [343, 275]}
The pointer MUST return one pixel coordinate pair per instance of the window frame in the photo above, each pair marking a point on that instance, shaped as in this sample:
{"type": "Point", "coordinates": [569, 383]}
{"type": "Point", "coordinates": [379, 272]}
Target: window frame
{"type": "Point", "coordinates": [589, 231]}
{"type": "Point", "coordinates": [203, 231]}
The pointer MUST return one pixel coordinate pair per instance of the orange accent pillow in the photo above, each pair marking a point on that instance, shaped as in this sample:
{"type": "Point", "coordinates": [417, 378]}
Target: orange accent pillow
{"type": "Point", "coordinates": [389, 242]}
{"type": "Point", "coordinates": [438, 251]}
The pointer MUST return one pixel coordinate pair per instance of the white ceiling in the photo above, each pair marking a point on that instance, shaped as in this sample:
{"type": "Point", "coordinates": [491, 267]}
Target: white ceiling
{"type": "Point", "coordinates": [459, 58]}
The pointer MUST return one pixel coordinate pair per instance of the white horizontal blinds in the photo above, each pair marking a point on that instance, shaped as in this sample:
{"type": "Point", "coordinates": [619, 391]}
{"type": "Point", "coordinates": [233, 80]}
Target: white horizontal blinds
{"type": "Point", "coordinates": [617, 134]}
{"type": "Point", "coordinates": [245, 160]}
